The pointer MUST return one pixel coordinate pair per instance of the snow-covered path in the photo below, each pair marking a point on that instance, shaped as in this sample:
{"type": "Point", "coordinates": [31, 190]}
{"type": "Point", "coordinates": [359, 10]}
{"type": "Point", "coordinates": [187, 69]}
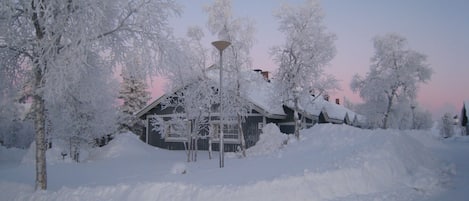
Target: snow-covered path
{"type": "Point", "coordinates": [455, 152]}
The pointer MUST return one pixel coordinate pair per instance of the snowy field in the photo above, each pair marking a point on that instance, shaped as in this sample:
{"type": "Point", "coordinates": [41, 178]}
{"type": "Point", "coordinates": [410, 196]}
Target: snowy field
{"type": "Point", "coordinates": [329, 162]}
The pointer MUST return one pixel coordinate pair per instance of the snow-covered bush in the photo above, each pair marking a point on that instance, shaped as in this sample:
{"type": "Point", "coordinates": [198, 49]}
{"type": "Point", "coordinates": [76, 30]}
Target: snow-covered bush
{"type": "Point", "coordinates": [270, 140]}
{"type": "Point", "coordinates": [446, 126]}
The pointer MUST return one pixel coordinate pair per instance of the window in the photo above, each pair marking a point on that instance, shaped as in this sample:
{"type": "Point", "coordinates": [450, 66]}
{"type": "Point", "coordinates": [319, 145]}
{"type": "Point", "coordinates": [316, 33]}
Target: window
{"type": "Point", "coordinates": [260, 125]}
{"type": "Point", "coordinates": [230, 132]}
{"type": "Point", "coordinates": [177, 131]}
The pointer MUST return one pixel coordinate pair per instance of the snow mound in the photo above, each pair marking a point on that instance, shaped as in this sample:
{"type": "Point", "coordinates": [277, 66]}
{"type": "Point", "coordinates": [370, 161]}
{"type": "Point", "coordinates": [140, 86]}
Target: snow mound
{"type": "Point", "coordinates": [270, 140]}
{"type": "Point", "coordinates": [373, 159]}
{"type": "Point", "coordinates": [11, 155]}
{"type": "Point", "coordinates": [328, 162]}
{"type": "Point", "coordinates": [179, 168]}
{"type": "Point", "coordinates": [125, 145]}
{"type": "Point", "coordinates": [53, 155]}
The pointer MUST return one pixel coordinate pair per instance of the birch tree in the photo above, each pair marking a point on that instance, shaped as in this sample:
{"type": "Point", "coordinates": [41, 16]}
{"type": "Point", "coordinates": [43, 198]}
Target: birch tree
{"type": "Point", "coordinates": [307, 50]}
{"type": "Point", "coordinates": [51, 41]}
{"type": "Point", "coordinates": [192, 92]}
{"type": "Point", "coordinates": [86, 111]}
{"type": "Point", "coordinates": [240, 32]}
{"type": "Point", "coordinates": [395, 72]}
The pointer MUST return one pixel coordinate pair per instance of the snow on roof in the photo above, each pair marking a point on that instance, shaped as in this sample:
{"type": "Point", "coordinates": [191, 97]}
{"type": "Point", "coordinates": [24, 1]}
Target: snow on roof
{"type": "Point", "coordinates": [255, 89]}
{"type": "Point", "coordinates": [262, 95]}
{"type": "Point", "coordinates": [314, 106]}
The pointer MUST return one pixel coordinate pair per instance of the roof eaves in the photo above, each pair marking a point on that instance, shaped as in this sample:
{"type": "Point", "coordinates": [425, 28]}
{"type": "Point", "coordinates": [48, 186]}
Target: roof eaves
{"type": "Point", "coordinates": [150, 106]}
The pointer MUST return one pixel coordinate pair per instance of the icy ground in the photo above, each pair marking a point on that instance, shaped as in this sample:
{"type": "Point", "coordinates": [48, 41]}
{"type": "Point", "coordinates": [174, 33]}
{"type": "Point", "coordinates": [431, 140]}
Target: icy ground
{"type": "Point", "coordinates": [329, 162]}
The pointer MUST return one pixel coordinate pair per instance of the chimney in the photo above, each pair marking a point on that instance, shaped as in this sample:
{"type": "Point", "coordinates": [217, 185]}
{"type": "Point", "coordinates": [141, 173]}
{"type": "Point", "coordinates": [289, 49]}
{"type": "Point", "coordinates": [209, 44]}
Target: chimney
{"type": "Point", "coordinates": [337, 101]}
{"type": "Point", "coordinates": [265, 74]}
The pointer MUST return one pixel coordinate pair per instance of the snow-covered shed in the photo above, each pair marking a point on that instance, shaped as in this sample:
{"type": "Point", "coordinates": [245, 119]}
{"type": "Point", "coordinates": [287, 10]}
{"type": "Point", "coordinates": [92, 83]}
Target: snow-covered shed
{"type": "Point", "coordinates": [264, 109]}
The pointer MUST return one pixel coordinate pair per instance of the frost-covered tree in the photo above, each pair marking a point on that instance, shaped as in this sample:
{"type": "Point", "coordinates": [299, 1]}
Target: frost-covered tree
{"type": "Point", "coordinates": [87, 109]}
{"type": "Point", "coordinates": [134, 96]}
{"type": "Point", "coordinates": [446, 126]}
{"type": "Point", "coordinates": [307, 50]}
{"type": "Point", "coordinates": [192, 92]}
{"type": "Point", "coordinates": [422, 119]}
{"type": "Point", "coordinates": [50, 41]}
{"type": "Point", "coordinates": [393, 79]}
{"type": "Point", "coordinates": [15, 128]}
{"type": "Point", "coordinates": [240, 32]}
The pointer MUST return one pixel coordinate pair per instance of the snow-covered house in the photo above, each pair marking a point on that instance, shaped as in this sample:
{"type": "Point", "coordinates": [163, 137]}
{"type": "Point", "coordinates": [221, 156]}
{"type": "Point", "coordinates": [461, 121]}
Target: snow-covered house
{"type": "Point", "coordinates": [264, 109]}
{"type": "Point", "coordinates": [464, 117]}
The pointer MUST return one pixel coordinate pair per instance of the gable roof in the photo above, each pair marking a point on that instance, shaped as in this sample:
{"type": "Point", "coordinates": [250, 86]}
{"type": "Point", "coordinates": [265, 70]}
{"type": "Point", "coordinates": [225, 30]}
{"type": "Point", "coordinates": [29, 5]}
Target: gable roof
{"type": "Point", "coordinates": [150, 106]}
{"type": "Point", "coordinates": [255, 90]}
{"type": "Point", "coordinates": [261, 94]}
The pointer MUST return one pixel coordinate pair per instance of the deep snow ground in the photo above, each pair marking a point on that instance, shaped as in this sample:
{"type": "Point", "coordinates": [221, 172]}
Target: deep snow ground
{"type": "Point", "coordinates": [455, 152]}
{"type": "Point", "coordinates": [329, 162]}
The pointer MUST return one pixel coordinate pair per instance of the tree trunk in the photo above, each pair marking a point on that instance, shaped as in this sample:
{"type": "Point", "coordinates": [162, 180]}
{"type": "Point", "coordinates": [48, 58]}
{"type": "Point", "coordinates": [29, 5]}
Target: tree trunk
{"type": "Point", "coordinates": [296, 119]}
{"type": "Point", "coordinates": [38, 101]}
{"type": "Point", "coordinates": [196, 148]}
{"type": "Point", "coordinates": [210, 148]}
{"type": "Point", "coordinates": [187, 148]}
{"type": "Point", "coordinates": [388, 110]}
{"type": "Point", "coordinates": [241, 135]}
{"type": "Point", "coordinates": [39, 125]}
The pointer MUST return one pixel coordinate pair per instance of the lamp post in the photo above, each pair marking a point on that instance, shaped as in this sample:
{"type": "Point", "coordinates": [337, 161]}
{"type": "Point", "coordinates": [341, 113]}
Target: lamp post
{"type": "Point", "coordinates": [412, 107]}
{"type": "Point", "coordinates": [221, 45]}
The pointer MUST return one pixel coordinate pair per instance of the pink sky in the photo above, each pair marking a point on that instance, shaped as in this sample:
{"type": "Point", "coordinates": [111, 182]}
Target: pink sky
{"type": "Point", "coordinates": [437, 28]}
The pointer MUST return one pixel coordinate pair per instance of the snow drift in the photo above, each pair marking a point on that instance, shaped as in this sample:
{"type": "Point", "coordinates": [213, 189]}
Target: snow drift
{"type": "Point", "coordinates": [124, 145]}
{"type": "Point", "coordinates": [329, 162]}
{"type": "Point", "coordinates": [270, 140]}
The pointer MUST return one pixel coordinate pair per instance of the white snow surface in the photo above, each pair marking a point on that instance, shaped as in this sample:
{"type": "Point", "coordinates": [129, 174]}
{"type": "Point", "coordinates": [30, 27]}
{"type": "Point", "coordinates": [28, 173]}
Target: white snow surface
{"type": "Point", "coordinates": [270, 141]}
{"type": "Point", "coordinates": [261, 93]}
{"type": "Point", "coordinates": [328, 162]}
{"type": "Point", "coordinates": [314, 106]}
{"type": "Point", "coordinates": [255, 89]}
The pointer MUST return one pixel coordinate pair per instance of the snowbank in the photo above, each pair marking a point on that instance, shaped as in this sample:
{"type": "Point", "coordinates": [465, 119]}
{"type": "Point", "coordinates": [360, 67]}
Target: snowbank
{"type": "Point", "coordinates": [124, 145]}
{"type": "Point", "coordinates": [270, 140]}
{"type": "Point", "coordinates": [53, 155]}
{"type": "Point", "coordinates": [11, 155]}
{"type": "Point", "coordinates": [375, 159]}
{"type": "Point", "coordinates": [329, 162]}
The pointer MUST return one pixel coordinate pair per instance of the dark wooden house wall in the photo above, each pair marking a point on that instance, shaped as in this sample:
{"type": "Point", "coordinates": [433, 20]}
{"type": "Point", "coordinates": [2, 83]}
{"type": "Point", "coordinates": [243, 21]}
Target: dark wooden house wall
{"type": "Point", "coordinates": [287, 125]}
{"type": "Point", "coordinates": [322, 118]}
{"type": "Point", "coordinates": [250, 128]}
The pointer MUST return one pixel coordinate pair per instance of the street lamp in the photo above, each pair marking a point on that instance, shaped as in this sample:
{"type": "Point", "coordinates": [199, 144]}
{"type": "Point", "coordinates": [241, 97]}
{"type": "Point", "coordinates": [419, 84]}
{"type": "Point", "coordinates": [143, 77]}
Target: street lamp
{"type": "Point", "coordinates": [412, 107]}
{"type": "Point", "coordinates": [221, 45]}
